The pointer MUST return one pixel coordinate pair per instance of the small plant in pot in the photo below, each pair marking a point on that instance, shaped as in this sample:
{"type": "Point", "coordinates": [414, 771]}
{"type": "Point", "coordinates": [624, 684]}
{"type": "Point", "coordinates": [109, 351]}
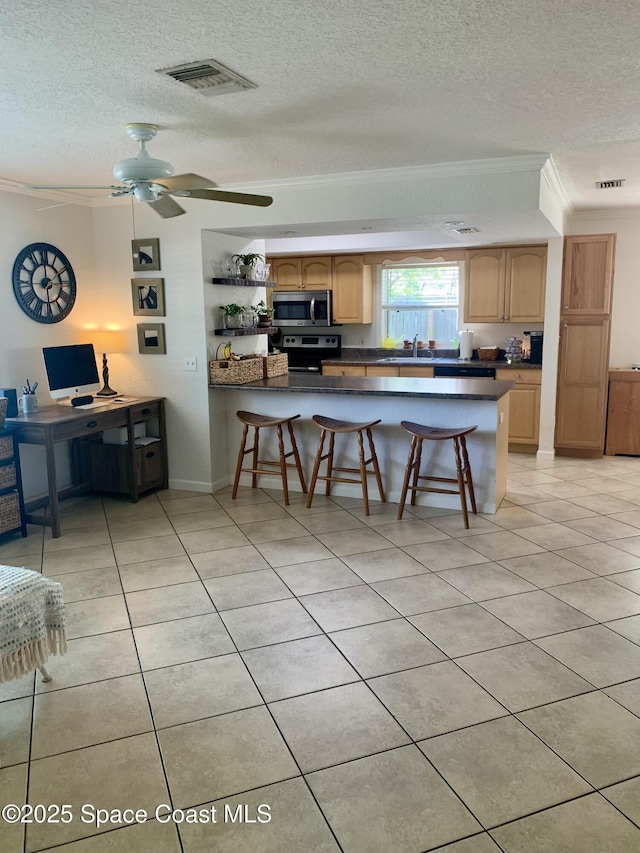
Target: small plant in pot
{"type": "Point", "coordinates": [264, 312]}
{"type": "Point", "coordinates": [233, 315]}
{"type": "Point", "coordinates": [246, 264]}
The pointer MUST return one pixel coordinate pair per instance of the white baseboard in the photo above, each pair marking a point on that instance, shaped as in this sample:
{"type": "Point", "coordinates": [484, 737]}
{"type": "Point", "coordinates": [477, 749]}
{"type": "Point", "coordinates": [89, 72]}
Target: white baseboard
{"type": "Point", "coordinates": [545, 455]}
{"type": "Point", "coordinates": [191, 486]}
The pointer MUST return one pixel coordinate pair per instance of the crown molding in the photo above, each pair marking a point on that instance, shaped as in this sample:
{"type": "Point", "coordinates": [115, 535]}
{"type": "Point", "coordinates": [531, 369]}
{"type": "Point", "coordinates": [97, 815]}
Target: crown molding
{"type": "Point", "coordinates": [460, 168]}
{"type": "Point", "coordinates": [550, 175]}
{"type": "Point", "coordinates": [54, 195]}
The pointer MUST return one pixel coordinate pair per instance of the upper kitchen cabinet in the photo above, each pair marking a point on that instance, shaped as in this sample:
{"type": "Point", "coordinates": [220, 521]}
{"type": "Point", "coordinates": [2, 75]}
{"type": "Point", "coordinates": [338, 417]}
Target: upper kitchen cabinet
{"type": "Point", "coordinates": [312, 273]}
{"type": "Point", "coordinates": [505, 285]}
{"type": "Point", "coordinates": [352, 290]}
{"type": "Point", "coordinates": [587, 279]}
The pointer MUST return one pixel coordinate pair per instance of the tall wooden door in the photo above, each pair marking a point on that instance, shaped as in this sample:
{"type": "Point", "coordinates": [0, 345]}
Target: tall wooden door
{"type": "Point", "coordinates": [587, 278]}
{"type": "Point", "coordinates": [582, 383]}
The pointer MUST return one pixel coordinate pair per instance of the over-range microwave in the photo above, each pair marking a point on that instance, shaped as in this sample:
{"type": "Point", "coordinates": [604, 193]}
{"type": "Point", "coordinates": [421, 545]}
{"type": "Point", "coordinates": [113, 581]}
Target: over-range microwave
{"type": "Point", "coordinates": [302, 308]}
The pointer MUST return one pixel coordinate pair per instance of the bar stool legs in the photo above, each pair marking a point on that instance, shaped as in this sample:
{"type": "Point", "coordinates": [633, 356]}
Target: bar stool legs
{"type": "Point", "coordinates": [331, 427]}
{"type": "Point", "coordinates": [463, 478]}
{"type": "Point", "coordinates": [258, 422]}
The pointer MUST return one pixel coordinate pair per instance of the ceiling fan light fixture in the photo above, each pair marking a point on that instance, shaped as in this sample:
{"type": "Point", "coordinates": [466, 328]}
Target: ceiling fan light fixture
{"type": "Point", "coordinates": [143, 192]}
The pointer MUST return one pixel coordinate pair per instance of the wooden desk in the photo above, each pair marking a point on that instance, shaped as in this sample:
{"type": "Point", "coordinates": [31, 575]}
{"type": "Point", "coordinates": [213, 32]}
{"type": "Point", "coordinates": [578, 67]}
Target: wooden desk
{"type": "Point", "coordinates": [63, 423]}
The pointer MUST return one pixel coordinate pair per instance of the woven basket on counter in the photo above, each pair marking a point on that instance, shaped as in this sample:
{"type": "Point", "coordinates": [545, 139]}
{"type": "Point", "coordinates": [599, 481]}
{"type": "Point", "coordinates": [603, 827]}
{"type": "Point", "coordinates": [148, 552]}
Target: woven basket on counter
{"type": "Point", "coordinates": [275, 365]}
{"type": "Point", "coordinates": [488, 353]}
{"type": "Point", "coordinates": [235, 372]}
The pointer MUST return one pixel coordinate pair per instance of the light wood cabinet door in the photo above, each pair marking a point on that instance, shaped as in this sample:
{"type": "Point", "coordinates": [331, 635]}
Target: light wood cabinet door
{"type": "Point", "coordinates": [381, 370]}
{"type": "Point", "coordinates": [623, 413]}
{"type": "Point", "coordinates": [316, 273]}
{"type": "Point", "coordinates": [352, 290]}
{"type": "Point", "coordinates": [524, 404]}
{"type": "Point", "coordinates": [416, 372]}
{"type": "Point", "coordinates": [526, 274]}
{"type": "Point", "coordinates": [287, 273]}
{"type": "Point", "coordinates": [346, 370]}
{"type": "Point", "coordinates": [582, 383]}
{"type": "Point", "coordinates": [587, 277]}
{"type": "Point", "coordinates": [484, 275]}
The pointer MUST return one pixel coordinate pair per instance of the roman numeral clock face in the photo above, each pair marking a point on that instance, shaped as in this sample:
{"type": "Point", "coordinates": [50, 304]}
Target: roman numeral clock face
{"type": "Point", "coordinates": [44, 283]}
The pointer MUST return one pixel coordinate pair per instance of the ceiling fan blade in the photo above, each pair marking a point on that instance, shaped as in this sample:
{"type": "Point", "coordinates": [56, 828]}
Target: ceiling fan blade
{"type": "Point", "coordinates": [187, 181]}
{"type": "Point", "coordinates": [233, 198]}
{"type": "Point", "coordinates": [166, 207]}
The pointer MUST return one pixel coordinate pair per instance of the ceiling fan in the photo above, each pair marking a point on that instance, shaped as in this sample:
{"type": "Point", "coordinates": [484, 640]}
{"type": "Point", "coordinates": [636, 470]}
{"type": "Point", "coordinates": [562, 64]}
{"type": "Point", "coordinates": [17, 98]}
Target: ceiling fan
{"type": "Point", "coordinates": [153, 181]}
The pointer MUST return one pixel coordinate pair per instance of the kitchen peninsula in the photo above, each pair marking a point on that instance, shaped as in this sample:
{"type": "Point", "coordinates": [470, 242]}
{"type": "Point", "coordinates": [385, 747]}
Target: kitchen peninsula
{"type": "Point", "coordinates": [437, 402]}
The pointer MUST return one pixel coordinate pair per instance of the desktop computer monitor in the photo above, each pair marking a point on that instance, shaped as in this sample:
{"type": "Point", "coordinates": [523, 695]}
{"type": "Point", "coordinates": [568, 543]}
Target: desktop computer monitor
{"type": "Point", "coordinates": [71, 370]}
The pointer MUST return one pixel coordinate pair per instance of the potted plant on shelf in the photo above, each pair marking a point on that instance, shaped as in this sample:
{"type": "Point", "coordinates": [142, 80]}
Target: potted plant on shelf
{"type": "Point", "coordinates": [247, 263]}
{"type": "Point", "coordinates": [264, 312]}
{"type": "Point", "coordinates": [233, 315]}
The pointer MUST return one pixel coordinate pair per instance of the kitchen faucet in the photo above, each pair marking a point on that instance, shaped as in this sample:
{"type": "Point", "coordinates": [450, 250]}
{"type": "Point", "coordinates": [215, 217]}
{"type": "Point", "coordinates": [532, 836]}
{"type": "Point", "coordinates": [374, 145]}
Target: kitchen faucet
{"type": "Point", "coordinates": [414, 348]}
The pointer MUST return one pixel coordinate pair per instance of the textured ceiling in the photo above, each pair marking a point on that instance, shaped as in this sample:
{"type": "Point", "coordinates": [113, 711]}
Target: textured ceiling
{"type": "Point", "coordinates": [342, 86]}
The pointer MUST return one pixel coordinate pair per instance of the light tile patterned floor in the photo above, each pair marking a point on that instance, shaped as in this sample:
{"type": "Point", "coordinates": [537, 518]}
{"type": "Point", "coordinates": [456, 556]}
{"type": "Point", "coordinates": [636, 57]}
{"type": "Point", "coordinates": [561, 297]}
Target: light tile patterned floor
{"type": "Point", "coordinates": [382, 686]}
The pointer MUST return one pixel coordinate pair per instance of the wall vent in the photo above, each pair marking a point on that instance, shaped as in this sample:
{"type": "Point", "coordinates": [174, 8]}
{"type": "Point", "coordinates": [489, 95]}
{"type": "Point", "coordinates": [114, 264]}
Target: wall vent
{"type": "Point", "coordinates": [610, 185]}
{"type": "Point", "coordinates": [208, 77]}
{"type": "Point", "coordinates": [471, 230]}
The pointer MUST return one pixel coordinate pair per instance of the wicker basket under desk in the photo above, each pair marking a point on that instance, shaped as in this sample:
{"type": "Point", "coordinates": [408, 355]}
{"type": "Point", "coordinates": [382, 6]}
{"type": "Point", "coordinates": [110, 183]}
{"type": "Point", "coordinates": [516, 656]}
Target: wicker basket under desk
{"type": "Point", "coordinates": [235, 372]}
{"type": "Point", "coordinates": [10, 518]}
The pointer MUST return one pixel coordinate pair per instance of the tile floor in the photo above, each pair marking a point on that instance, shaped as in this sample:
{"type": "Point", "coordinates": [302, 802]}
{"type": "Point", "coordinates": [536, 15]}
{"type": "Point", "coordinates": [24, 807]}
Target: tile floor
{"type": "Point", "coordinates": [379, 685]}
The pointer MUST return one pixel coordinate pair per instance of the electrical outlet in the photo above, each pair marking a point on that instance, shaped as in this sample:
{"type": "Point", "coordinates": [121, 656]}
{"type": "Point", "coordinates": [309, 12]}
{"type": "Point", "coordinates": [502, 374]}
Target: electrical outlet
{"type": "Point", "coordinates": [361, 342]}
{"type": "Point", "coordinates": [191, 363]}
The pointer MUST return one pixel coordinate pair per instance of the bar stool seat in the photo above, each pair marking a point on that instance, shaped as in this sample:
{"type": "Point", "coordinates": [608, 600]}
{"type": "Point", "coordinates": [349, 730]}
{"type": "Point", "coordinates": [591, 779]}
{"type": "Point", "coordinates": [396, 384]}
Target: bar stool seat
{"type": "Point", "coordinates": [463, 478]}
{"type": "Point", "coordinates": [332, 426]}
{"type": "Point", "coordinates": [258, 422]}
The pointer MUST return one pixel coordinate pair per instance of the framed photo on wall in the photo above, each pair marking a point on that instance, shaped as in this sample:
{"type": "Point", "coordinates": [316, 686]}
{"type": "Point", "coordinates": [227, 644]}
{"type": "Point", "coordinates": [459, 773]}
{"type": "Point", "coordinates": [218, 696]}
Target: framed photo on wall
{"type": "Point", "coordinates": [146, 254]}
{"type": "Point", "coordinates": [147, 295]}
{"type": "Point", "coordinates": [151, 339]}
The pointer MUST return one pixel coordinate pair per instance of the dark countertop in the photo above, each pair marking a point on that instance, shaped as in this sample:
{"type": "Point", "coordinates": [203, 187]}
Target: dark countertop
{"type": "Point", "coordinates": [391, 386]}
{"type": "Point", "coordinates": [422, 361]}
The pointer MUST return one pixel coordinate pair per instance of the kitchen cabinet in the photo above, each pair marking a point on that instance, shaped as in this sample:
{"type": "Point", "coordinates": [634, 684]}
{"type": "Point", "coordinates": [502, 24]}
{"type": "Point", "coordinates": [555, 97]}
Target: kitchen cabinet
{"type": "Point", "coordinates": [587, 275]}
{"type": "Point", "coordinates": [582, 385]}
{"type": "Point", "coordinates": [585, 329]}
{"type": "Point", "coordinates": [416, 372]}
{"type": "Point", "coordinates": [381, 370]}
{"type": "Point", "coordinates": [344, 370]}
{"type": "Point", "coordinates": [352, 290]}
{"type": "Point", "coordinates": [623, 413]}
{"type": "Point", "coordinates": [305, 273]}
{"type": "Point", "coordinates": [505, 285]}
{"type": "Point", "coordinates": [524, 404]}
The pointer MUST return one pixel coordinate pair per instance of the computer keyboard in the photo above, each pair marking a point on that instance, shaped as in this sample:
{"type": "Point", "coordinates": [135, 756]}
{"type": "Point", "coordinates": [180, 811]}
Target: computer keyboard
{"type": "Point", "coordinates": [92, 406]}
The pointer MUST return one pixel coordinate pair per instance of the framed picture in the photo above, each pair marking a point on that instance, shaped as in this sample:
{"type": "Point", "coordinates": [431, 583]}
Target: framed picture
{"type": "Point", "coordinates": [146, 254]}
{"type": "Point", "coordinates": [151, 339]}
{"type": "Point", "coordinates": [148, 296]}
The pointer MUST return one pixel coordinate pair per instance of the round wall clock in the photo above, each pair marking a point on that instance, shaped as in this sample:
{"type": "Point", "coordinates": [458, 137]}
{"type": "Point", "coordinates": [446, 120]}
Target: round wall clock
{"type": "Point", "coordinates": [44, 283]}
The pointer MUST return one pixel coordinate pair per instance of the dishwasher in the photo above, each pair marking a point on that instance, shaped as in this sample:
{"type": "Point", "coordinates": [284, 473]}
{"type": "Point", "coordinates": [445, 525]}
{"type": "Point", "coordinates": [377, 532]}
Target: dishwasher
{"type": "Point", "coordinates": [456, 371]}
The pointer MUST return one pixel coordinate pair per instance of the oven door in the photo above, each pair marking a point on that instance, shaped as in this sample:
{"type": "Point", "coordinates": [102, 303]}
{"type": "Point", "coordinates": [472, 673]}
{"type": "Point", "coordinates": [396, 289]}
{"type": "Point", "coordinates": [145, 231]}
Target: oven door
{"type": "Point", "coordinates": [302, 308]}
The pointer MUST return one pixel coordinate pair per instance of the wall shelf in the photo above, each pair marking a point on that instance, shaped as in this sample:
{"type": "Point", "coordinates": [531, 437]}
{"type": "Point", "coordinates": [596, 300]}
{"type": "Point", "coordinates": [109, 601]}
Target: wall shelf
{"type": "Point", "coordinates": [243, 282]}
{"type": "Point", "coordinates": [251, 330]}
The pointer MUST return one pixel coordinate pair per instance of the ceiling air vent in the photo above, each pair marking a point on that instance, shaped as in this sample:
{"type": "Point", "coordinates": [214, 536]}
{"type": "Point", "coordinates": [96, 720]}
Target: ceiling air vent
{"type": "Point", "coordinates": [610, 185]}
{"type": "Point", "coordinates": [472, 230]}
{"type": "Point", "coordinates": [208, 77]}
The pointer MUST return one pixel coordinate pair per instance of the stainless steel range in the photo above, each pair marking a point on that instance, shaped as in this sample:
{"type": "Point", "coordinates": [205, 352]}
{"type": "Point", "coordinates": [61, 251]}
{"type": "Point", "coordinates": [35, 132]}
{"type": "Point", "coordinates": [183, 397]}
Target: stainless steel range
{"type": "Point", "coordinates": [306, 352]}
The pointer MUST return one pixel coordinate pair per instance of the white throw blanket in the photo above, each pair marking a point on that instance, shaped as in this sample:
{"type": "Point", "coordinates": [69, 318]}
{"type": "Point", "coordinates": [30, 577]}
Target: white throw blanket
{"type": "Point", "coordinates": [32, 621]}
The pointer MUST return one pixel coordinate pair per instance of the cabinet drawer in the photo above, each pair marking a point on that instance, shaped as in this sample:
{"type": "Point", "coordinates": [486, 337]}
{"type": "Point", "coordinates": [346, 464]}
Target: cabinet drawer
{"type": "Point", "coordinates": [8, 476]}
{"type": "Point", "coordinates": [91, 423]}
{"type": "Point", "coordinates": [145, 410]}
{"type": "Point", "coordinates": [111, 467]}
{"type": "Point", "coordinates": [526, 376]}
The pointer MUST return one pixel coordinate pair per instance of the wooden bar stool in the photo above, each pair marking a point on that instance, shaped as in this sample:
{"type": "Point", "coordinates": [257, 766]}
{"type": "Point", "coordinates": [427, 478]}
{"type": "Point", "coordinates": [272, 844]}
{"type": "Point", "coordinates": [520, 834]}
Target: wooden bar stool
{"type": "Point", "coordinates": [419, 433]}
{"type": "Point", "coordinates": [258, 422]}
{"type": "Point", "coordinates": [332, 426]}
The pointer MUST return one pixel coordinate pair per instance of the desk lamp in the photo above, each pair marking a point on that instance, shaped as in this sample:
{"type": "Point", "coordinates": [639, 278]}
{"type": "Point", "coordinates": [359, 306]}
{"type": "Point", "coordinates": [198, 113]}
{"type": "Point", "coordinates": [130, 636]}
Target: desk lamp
{"type": "Point", "coordinates": [105, 341]}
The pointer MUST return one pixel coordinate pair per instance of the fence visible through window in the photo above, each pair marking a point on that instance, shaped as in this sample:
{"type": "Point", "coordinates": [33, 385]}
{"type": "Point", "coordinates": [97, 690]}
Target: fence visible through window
{"type": "Point", "coordinates": [421, 300]}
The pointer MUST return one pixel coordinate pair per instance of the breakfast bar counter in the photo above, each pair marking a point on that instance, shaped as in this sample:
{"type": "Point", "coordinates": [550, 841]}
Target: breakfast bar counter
{"type": "Point", "coordinates": [436, 402]}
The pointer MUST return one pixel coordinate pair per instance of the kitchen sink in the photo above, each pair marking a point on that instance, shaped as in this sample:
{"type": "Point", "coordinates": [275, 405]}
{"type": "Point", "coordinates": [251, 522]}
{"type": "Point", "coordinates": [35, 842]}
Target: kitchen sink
{"type": "Point", "coordinates": [408, 360]}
